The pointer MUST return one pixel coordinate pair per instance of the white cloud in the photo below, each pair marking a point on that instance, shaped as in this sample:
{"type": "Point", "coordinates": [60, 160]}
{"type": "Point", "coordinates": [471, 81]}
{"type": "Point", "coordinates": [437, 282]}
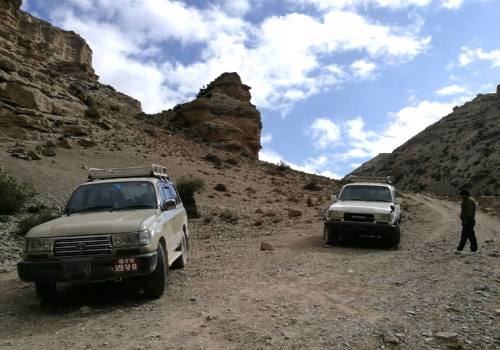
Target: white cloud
{"type": "Point", "coordinates": [468, 56]}
{"type": "Point", "coordinates": [362, 68]}
{"type": "Point", "coordinates": [451, 90]}
{"type": "Point", "coordinates": [392, 4]}
{"type": "Point", "coordinates": [342, 4]}
{"type": "Point", "coordinates": [452, 4]}
{"type": "Point", "coordinates": [238, 7]}
{"type": "Point", "coordinates": [404, 124]}
{"type": "Point", "coordinates": [324, 132]}
{"type": "Point", "coordinates": [319, 165]}
{"type": "Point", "coordinates": [280, 71]}
{"type": "Point", "coordinates": [267, 138]}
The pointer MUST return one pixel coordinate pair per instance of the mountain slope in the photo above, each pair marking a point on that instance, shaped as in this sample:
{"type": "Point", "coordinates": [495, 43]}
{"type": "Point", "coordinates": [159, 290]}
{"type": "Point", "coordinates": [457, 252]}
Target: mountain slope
{"type": "Point", "coordinates": [462, 150]}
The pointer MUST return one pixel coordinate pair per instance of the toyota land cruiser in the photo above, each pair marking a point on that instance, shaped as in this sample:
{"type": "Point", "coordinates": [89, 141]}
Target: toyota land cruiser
{"type": "Point", "coordinates": [365, 207]}
{"type": "Point", "coordinates": [123, 223]}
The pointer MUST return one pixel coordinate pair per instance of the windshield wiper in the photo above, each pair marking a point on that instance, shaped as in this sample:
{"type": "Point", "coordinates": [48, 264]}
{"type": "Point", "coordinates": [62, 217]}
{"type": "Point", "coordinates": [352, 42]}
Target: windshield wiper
{"type": "Point", "coordinates": [137, 206]}
{"type": "Point", "coordinates": [97, 208]}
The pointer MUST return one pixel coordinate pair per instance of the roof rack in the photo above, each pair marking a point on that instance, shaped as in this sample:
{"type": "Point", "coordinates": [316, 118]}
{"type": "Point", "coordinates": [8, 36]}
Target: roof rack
{"type": "Point", "coordinates": [141, 171]}
{"type": "Point", "coordinates": [377, 179]}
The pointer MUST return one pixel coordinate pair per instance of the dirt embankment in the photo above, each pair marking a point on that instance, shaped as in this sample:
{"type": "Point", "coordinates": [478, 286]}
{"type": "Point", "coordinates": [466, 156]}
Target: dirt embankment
{"type": "Point", "coordinates": [302, 295]}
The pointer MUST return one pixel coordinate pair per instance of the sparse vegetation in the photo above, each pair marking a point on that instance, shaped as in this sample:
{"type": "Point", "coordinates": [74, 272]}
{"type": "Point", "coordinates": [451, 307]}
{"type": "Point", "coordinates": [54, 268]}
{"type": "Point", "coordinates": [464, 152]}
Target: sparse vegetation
{"type": "Point", "coordinates": [91, 112]}
{"type": "Point", "coordinates": [312, 185]}
{"type": "Point", "coordinates": [282, 166]}
{"type": "Point", "coordinates": [29, 222]}
{"type": "Point", "coordinates": [202, 91]}
{"type": "Point", "coordinates": [188, 187]}
{"type": "Point", "coordinates": [13, 196]}
{"type": "Point", "coordinates": [228, 217]}
{"type": "Point", "coordinates": [212, 158]}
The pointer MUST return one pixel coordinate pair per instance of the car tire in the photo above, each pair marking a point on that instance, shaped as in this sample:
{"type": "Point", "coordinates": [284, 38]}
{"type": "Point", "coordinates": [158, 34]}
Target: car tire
{"type": "Point", "coordinates": [181, 261]}
{"type": "Point", "coordinates": [395, 238]}
{"type": "Point", "coordinates": [154, 285]}
{"type": "Point", "coordinates": [329, 237]}
{"type": "Point", "coordinates": [46, 291]}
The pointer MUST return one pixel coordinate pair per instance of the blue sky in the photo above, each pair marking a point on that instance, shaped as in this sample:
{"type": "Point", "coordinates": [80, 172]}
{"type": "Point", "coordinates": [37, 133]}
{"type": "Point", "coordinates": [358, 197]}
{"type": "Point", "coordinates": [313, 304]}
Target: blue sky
{"type": "Point", "coordinates": [336, 81]}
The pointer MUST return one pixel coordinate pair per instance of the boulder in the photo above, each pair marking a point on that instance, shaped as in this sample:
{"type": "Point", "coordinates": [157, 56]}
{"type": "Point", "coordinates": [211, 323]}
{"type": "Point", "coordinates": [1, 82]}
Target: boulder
{"type": "Point", "coordinates": [24, 96]}
{"type": "Point", "coordinates": [294, 213]}
{"type": "Point", "coordinates": [34, 155]}
{"type": "Point", "coordinates": [266, 247]}
{"type": "Point", "coordinates": [86, 142]}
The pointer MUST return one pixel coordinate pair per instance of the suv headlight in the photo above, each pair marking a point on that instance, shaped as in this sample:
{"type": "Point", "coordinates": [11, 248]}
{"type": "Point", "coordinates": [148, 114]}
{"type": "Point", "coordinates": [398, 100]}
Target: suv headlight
{"type": "Point", "coordinates": [334, 214]}
{"type": "Point", "coordinates": [383, 217]}
{"type": "Point", "coordinates": [38, 245]}
{"type": "Point", "coordinates": [142, 237]}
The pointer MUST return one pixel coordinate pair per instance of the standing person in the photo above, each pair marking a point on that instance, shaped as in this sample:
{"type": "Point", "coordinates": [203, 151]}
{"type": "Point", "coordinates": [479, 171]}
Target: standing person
{"type": "Point", "coordinates": [467, 215]}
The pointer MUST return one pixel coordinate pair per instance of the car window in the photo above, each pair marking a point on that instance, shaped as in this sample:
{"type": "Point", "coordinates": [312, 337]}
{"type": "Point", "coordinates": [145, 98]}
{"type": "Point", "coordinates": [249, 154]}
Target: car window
{"type": "Point", "coordinates": [366, 193]}
{"type": "Point", "coordinates": [173, 192]}
{"type": "Point", "coordinates": [161, 192]}
{"type": "Point", "coordinates": [112, 196]}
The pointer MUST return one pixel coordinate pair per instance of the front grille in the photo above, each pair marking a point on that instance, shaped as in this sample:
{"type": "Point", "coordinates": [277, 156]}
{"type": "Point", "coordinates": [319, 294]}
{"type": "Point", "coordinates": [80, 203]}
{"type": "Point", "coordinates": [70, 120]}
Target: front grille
{"type": "Point", "coordinates": [359, 217]}
{"type": "Point", "coordinates": [88, 245]}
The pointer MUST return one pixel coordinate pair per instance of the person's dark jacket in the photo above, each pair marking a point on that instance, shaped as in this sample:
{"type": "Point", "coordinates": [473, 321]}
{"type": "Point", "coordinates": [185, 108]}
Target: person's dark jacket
{"type": "Point", "coordinates": [468, 212]}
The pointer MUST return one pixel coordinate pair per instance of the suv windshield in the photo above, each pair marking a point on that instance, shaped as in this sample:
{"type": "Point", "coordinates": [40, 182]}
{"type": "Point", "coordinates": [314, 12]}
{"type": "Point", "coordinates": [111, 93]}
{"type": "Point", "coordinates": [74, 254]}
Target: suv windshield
{"type": "Point", "coordinates": [112, 196]}
{"type": "Point", "coordinates": [366, 193]}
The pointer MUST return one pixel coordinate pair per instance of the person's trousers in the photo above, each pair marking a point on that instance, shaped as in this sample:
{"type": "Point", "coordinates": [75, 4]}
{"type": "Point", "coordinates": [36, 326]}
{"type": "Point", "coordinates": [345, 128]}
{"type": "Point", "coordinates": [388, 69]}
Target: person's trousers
{"type": "Point", "coordinates": [468, 234]}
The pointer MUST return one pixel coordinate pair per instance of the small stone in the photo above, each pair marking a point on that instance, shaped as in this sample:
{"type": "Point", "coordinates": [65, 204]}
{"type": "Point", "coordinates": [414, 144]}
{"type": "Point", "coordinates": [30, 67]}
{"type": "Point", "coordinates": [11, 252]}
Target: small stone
{"type": "Point", "coordinates": [294, 213]}
{"type": "Point", "coordinates": [85, 309]}
{"type": "Point", "coordinates": [258, 222]}
{"type": "Point", "coordinates": [48, 152]}
{"type": "Point", "coordinates": [64, 143]}
{"type": "Point", "coordinates": [34, 155]}
{"type": "Point", "coordinates": [86, 142]}
{"type": "Point", "coordinates": [22, 156]}
{"type": "Point", "coordinates": [446, 335]}
{"type": "Point", "coordinates": [266, 247]}
{"type": "Point", "coordinates": [390, 339]}
{"type": "Point", "coordinates": [220, 188]}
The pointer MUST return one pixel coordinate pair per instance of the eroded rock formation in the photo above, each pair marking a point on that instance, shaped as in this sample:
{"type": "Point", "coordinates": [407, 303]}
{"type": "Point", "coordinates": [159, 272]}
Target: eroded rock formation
{"type": "Point", "coordinates": [48, 88]}
{"type": "Point", "coordinates": [222, 116]}
{"type": "Point", "coordinates": [49, 92]}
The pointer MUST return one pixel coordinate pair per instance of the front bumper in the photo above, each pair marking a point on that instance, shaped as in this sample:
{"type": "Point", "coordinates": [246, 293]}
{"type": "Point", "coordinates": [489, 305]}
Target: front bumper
{"type": "Point", "coordinates": [349, 228]}
{"type": "Point", "coordinates": [91, 269]}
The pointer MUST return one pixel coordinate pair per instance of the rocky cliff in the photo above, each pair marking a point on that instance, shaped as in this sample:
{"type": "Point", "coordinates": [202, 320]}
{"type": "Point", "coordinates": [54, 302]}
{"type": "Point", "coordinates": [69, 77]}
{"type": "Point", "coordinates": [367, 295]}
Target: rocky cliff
{"type": "Point", "coordinates": [221, 116]}
{"type": "Point", "coordinates": [50, 96]}
{"type": "Point", "coordinates": [49, 93]}
{"type": "Point", "coordinates": [462, 150]}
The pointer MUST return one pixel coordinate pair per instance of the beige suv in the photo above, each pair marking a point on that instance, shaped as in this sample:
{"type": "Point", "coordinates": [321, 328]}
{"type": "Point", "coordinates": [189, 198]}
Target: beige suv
{"type": "Point", "coordinates": [123, 223]}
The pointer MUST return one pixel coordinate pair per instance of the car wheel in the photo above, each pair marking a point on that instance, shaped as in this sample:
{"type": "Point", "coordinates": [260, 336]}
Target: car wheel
{"type": "Point", "coordinates": [181, 261]}
{"type": "Point", "coordinates": [395, 238]}
{"type": "Point", "coordinates": [46, 291]}
{"type": "Point", "coordinates": [154, 285]}
{"type": "Point", "coordinates": [329, 237]}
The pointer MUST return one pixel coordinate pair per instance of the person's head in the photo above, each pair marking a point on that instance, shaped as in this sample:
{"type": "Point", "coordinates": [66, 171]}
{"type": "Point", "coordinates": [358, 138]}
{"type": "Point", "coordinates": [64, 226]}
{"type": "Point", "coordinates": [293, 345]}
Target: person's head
{"type": "Point", "coordinates": [465, 194]}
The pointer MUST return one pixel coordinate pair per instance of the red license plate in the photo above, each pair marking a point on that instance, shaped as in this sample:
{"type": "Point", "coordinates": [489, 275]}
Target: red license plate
{"type": "Point", "coordinates": [126, 265]}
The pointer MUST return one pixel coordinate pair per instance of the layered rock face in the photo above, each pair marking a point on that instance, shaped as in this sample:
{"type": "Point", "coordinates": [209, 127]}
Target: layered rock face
{"type": "Point", "coordinates": [221, 116]}
{"type": "Point", "coordinates": [49, 95]}
{"type": "Point", "coordinates": [462, 150]}
{"type": "Point", "coordinates": [48, 88]}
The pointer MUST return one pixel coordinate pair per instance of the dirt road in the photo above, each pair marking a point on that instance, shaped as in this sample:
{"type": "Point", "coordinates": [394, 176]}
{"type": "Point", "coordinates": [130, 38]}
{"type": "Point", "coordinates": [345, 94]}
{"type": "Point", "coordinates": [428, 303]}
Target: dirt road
{"type": "Point", "coordinates": [301, 296]}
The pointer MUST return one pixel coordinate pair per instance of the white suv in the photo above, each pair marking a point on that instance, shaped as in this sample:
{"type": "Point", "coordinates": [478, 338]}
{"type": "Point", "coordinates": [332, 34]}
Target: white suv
{"type": "Point", "coordinates": [122, 223]}
{"type": "Point", "coordinates": [365, 207]}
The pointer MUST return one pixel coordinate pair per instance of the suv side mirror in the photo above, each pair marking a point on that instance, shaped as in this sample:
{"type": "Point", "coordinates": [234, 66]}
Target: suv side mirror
{"type": "Point", "coordinates": [333, 197]}
{"type": "Point", "coordinates": [56, 211]}
{"type": "Point", "coordinates": [168, 205]}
